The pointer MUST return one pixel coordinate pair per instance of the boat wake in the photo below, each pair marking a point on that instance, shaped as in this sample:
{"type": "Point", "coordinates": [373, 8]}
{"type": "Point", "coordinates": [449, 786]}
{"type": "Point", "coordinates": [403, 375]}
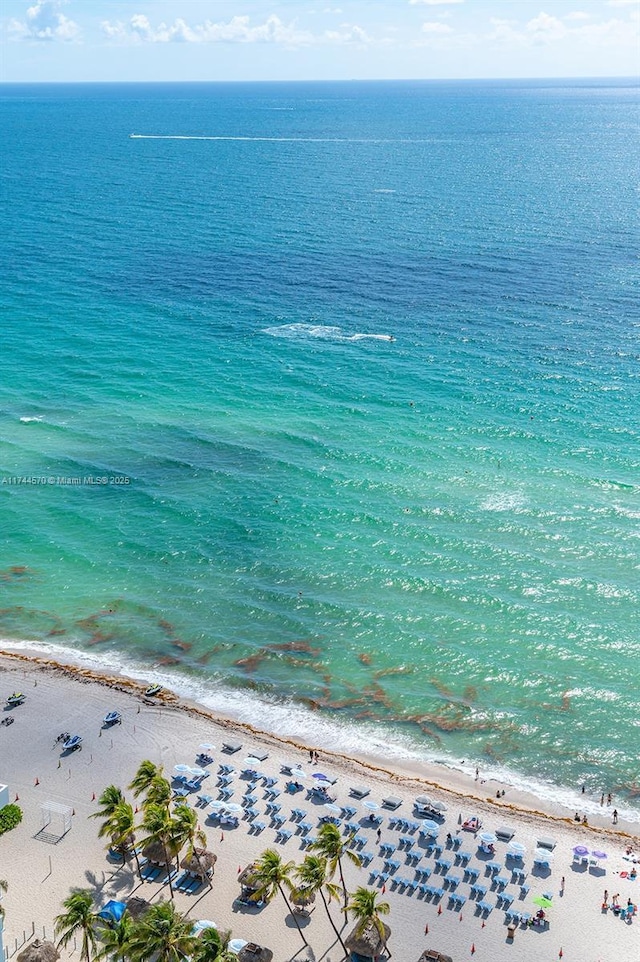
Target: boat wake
{"type": "Point", "coordinates": [321, 332]}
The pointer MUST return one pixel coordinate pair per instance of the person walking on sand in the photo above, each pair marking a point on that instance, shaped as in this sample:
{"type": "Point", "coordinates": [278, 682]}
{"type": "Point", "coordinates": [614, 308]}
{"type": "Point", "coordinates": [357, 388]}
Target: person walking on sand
{"type": "Point", "coordinates": [615, 816]}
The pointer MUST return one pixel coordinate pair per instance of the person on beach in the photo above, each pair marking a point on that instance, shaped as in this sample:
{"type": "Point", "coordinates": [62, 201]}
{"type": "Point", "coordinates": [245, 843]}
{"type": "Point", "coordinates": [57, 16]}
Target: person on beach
{"type": "Point", "coordinates": [379, 835]}
{"type": "Point", "coordinates": [605, 898]}
{"type": "Point", "coordinates": [602, 799]}
{"type": "Point", "coordinates": [609, 799]}
{"type": "Point", "coordinates": [615, 816]}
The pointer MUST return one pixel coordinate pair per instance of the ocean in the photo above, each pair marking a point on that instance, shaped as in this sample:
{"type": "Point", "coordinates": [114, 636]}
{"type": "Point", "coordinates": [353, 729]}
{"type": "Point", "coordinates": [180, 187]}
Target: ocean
{"type": "Point", "coordinates": [319, 402]}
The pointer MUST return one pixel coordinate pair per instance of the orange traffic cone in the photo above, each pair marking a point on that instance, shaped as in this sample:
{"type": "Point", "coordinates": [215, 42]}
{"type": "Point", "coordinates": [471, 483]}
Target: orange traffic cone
{"type": "Point", "coordinates": [473, 948]}
{"type": "Point", "coordinates": [17, 798]}
{"type": "Point", "coordinates": [482, 926]}
{"type": "Point", "coordinates": [560, 954]}
{"type": "Point", "coordinates": [461, 916]}
{"type": "Point", "coordinates": [426, 929]}
{"type": "Point", "coordinates": [239, 869]}
{"type": "Point", "coordinates": [93, 797]}
{"type": "Point", "coordinates": [439, 910]}
{"type": "Point", "coordinates": [222, 836]}
{"type": "Point", "coordinates": [37, 781]}
{"type": "Point", "coordinates": [73, 811]}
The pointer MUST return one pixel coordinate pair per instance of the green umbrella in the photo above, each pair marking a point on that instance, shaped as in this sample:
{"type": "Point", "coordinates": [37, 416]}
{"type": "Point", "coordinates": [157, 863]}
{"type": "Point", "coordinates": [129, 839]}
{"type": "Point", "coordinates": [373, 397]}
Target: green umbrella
{"type": "Point", "coordinates": [542, 901]}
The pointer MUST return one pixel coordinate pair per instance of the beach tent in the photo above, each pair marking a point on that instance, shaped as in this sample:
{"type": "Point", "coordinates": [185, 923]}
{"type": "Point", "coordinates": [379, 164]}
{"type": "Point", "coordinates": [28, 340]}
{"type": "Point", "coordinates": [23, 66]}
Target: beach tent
{"type": "Point", "coordinates": [365, 940]}
{"type": "Point", "coordinates": [112, 911]}
{"type": "Point", "coordinates": [39, 952]}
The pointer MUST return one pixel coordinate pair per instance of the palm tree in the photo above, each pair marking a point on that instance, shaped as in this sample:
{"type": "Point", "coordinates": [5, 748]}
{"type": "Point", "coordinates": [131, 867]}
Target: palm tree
{"type": "Point", "coordinates": [122, 829]}
{"type": "Point", "coordinates": [313, 877]}
{"type": "Point", "coordinates": [162, 934]}
{"type": "Point", "coordinates": [110, 798]}
{"type": "Point", "coordinates": [79, 918]}
{"type": "Point", "coordinates": [186, 831]}
{"type": "Point", "coordinates": [332, 846]}
{"type": "Point", "coordinates": [147, 771]}
{"type": "Point", "coordinates": [158, 826]}
{"type": "Point", "coordinates": [115, 939]}
{"type": "Point", "coordinates": [158, 792]}
{"type": "Point", "coordinates": [272, 875]}
{"type": "Point", "coordinates": [364, 906]}
{"type": "Point", "coordinates": [213, 946]}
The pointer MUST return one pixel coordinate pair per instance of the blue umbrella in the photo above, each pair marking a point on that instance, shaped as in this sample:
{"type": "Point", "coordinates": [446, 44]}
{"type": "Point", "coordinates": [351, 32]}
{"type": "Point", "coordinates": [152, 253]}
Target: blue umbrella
{"type": "Point", "coordinates": [320, 777]}
{"type": "Point", "coordinates": [113, 911]}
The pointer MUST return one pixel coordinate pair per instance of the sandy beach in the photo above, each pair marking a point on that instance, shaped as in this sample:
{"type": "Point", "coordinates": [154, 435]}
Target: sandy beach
{"type": "Point", "coordinates": [40, 874]}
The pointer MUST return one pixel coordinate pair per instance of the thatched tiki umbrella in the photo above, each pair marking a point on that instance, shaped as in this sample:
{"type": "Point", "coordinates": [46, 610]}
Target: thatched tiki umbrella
{"type": "Point", "coordinates": [430, 955]}
{"type": "Point", "coordinates": [365, 940]}
{"type": "Point", "coordinates": [247, 877]}
{"type": "Point", "coordinates": [257, 954]}
{"type": "Point", "coordinates": [137, 906]}
{"type": "Point", "coordinates": [39, 952]}
{"type": "Point", "coordinates": [200, 862]}
{"type": "Point", "coordinates": [301, 900]}
{"type": "Point", "coordinates": [155, 852]}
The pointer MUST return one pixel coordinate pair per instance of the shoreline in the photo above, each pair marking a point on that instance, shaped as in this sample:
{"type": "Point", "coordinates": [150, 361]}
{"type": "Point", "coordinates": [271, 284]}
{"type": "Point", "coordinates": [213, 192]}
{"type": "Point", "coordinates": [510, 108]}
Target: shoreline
{"type": "Point", "coordinates": [41, 870]}
{"type": "Point", "coordinates": [407, 773]}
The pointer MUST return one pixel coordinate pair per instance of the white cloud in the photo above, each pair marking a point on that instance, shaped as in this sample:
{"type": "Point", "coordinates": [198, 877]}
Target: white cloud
{"type": "Point", "coordinates": [577, 15]}
{"type": "Point", "coordinates": [623, 3]}
{"type": "Point", "coordinates": [239, 29]}
{"type": "Point", "coordinates": [545, 29]}
{"type": "Point", "coordinates": [435, 27]}
{"type": "Point", "coordinates": [45, 22]}
{"type": "Point", "coordinates": [433, 3]}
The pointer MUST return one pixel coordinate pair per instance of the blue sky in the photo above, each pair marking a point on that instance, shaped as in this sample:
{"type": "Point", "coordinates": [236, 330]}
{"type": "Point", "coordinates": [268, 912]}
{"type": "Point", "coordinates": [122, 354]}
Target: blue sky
{"type": "Point", "coordinates": [87, 40]}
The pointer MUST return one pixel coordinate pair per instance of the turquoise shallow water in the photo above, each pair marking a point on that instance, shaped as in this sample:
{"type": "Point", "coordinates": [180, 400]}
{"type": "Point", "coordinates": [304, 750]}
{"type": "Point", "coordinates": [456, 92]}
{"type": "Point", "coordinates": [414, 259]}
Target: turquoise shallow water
{"type": "Point", "coordinates": [362, 378]}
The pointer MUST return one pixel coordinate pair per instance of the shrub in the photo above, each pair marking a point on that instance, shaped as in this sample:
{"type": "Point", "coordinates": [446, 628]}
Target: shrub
{"type": "Point", "coordinates": [10, 816]}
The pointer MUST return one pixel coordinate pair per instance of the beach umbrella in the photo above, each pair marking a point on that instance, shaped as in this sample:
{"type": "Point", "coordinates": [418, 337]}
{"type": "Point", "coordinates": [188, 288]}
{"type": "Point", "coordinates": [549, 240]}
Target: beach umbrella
{"type": "Point", "coordinates": [252, 762]}
{"type": "Point", "coordinates": [233, 807]}
{"type": "Point", "coordinates": [320, 777]}
{"type": "Point", "coordinates": [334, 809]}
{"type": "Point", "coordinates": [580, 850]}
{"type": "Point", "coordinates": [487, 837]}
{"type": "Point", "coordinates": [298, 773]}
{"type": "Point", "coordinates": [542, 901]}
{"type": "Point", "coordinates": [542, 855]}
{"type": "Point", "coordinates": [599, 855]}
{"type": "Point", "coordinates": [517, 848]}
{"type": "Point", "coordinates": [201, 925]}
{"type": "Point", "coordinates": [113, 911]}
{"type": "Point", "coordinates": [206, 747]}
{"type": "Point", "coordinates": [198, 772]}
{"type": "Point", "coordinates": [430, 826]}
{"type": "Point", "coordinates": [438, 806]}
{"type": "Point", "coordinates": [237, 945]}
{"type": "Point", "coordinates": [217, 805]}
{"type": "Point", "coordinates": [372, 806]}
{"type": "Point", "coordinates": [424, 800]}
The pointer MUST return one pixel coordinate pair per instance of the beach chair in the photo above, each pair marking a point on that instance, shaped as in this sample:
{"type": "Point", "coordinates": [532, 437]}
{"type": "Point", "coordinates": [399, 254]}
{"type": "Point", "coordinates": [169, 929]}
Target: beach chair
{"type": "Point", "coordinates": [225, 794]}
{"type": "Point", "coordinates": [226, 769]}
{"type": "Point", "coordinates": [250, 814]}
{"type": "Point", "coordinates": [258, 827]}
{"type": "Point", "coordinates": [231, 747]}
{"type": "Point", "coordinates": [410, 886]}
{"type": "Point", "coordinates": [423, 874]}
{"type": "Point", "coordinates": [284, 834]}
{"type": "Point", "coordinates": [272, 808]}
{"type": "Point", "coordinates": [500, 882]}
{"type": "Point", "coordinates": [374, 874]}
{"type": "Point", "coordinates": [366, 857]}
{"type": "Point", "coordinates": [269, 781]}
{"type": "Point", "coordinates": [347, 811]}
{"type": "Point", "coordinates": [249, 800]}
{"type": "Point", "coordinates": [413, 858]}
{"type": "Point", "coordinates": [453, 881]}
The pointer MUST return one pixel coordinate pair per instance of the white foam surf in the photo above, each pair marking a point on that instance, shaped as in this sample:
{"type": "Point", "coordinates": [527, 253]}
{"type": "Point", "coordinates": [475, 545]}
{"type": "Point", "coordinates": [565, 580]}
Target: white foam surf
{"type": "Point", "coordinates": [280, 140]}
{"type": "Point", "coordinates": [288, 720]}
{"type": "Point", "coordinates": [28, 420]}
